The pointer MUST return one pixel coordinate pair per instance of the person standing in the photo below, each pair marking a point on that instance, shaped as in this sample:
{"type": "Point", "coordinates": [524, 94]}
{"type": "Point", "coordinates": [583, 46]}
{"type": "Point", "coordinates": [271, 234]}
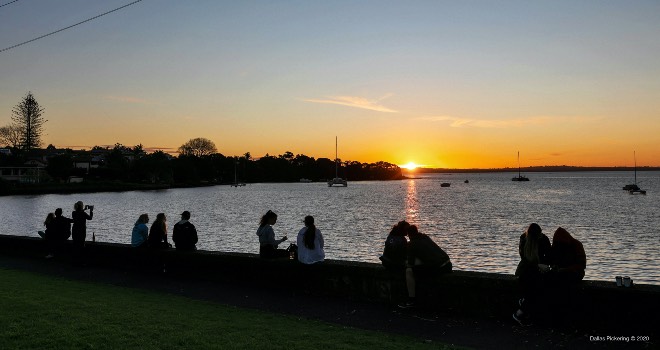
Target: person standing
{"type": "Point", "coordinates": [310, 243]}
{"type": "Point", "coordinates": [79, 229]}
{"type": "Point", "coordinates": [425, 260]}
{"type": "Point", "coordinates": [267, 242]}
{"type": "Point", "coordinates": [184, 233]}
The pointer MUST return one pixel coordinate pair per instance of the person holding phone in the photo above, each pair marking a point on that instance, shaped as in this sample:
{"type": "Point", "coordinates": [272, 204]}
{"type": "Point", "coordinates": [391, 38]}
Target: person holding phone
{"type": "Point", "coordinates": [267, 242]}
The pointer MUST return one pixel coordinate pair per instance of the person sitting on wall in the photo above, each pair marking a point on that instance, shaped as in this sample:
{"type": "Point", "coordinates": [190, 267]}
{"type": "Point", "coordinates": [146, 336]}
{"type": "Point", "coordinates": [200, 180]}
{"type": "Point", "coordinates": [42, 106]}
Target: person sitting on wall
{"type": "Point", "coordinates": [267, 242]}
{"type": "Point", "coordinates": [140, 232]}
{"type": "Point", "coordinates": [310, 243]}
{"type": "Point", "coordinates": [157, 238]}
{"type": "Point", "coordinates": [62, 226]}
{"type": "Point", "coordinates": [396, 248]}
{"type": "Point", "coordinates": [567, 258]}
{"type": "Point", "coordinates": [49, 234]}
{"type": "Point", "coordinates": [425, 260]}
{"type": "Point", "coordinates": [184, 233]}
{"type": "Point", "coordinates": [534, 249]}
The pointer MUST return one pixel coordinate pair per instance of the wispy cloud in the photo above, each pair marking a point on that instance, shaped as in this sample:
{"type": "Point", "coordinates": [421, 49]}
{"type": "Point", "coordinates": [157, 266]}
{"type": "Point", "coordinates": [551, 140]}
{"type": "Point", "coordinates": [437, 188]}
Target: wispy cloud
{"type": "Point", "coordinates": [356, 102]}
{"type": "Point", "coordinates": [457, 122]}
{"type": "Point", "coordinates": [125, 99]}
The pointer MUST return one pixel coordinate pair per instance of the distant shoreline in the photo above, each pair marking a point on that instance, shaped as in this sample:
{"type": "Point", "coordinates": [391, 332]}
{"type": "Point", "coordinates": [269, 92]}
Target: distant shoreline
{"type": "Point", "coordinates": [536, 169]}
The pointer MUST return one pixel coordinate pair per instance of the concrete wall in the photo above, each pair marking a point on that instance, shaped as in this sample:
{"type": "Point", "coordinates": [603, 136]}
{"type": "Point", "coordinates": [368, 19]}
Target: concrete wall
{"type": "Point", "coordinates": [590, 305]}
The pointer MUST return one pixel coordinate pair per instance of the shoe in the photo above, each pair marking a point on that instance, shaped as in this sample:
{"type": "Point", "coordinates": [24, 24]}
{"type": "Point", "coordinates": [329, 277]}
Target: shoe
{"type": "Point", "coordinates": [520, 319]}
{"type": "Point", "coordinates": [406, 305]}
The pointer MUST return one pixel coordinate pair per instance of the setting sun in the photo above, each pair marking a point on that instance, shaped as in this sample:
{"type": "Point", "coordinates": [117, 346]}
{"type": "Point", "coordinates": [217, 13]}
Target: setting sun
{"type": "Point", "coordinates": [409, 166]}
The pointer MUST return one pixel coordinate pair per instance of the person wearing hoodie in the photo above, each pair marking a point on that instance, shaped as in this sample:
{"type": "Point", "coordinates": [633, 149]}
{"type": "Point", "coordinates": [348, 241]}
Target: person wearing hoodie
{"type": "Point", "coordinates": [568, 258]}
{"type": "Point", "coordinates": [184, 233]}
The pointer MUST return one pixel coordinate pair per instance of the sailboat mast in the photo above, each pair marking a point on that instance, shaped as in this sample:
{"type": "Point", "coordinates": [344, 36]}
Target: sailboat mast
{"type": "Point", "coordinates": [518, 163]}
{"type": "Point", "coordinates": [336, 157]}
{"type": "Point", "coordinates": [635, 157]}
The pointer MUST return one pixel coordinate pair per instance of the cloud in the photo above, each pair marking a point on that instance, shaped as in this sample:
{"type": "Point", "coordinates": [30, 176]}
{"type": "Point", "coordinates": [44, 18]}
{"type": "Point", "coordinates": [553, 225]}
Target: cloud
{"type": "Point", "coordinates": [125, 99]}
{"type": "Point", "coordinates": [457, 122]}
{"type": "Point", "coordinates": [356, 102]}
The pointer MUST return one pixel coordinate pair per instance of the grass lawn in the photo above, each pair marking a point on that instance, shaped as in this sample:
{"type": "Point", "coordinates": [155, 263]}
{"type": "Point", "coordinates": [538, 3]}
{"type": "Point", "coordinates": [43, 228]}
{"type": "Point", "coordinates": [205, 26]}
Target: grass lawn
{"type": "Point", "coordinates": [41, 312]}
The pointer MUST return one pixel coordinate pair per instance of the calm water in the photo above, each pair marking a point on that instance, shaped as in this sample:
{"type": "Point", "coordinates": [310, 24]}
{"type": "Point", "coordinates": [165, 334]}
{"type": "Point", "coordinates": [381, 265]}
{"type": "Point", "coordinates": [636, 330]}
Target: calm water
{"type": "Point", "coordinates": [477, 223]}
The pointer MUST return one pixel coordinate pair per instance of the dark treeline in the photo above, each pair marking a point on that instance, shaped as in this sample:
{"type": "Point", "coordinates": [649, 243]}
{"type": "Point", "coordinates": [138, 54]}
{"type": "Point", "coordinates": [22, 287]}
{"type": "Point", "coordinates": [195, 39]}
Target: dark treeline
{"type": "Point", "coordinates": [134, 165]}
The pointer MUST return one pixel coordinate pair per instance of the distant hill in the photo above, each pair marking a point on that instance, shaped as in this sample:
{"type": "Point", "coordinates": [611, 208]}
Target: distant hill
{"type": "Point", "coordinates": [535, 169]}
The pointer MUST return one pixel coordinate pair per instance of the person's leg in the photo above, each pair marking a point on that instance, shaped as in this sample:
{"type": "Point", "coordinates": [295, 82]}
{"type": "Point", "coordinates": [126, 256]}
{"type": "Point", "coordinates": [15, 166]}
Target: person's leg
{"type": "Point", "coordinates": [410, 283]}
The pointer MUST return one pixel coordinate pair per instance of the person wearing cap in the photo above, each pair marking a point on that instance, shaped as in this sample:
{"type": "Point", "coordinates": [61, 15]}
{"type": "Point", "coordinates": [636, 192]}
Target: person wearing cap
{"type": "Point", "coordinates": [184, 234]}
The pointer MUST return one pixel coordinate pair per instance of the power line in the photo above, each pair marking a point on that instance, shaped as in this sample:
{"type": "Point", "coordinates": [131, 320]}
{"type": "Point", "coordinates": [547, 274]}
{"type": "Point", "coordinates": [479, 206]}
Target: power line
{"type": "Point", "coordinates": [11, 2]}
{"type": "Point", "coordinates": [71, 26]}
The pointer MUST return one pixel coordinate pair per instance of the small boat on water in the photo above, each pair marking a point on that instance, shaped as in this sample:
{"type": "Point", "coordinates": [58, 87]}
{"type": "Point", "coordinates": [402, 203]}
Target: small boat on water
{"type": "Point", "coordinates": [467, 181]}
{"type": "Point", "coordinates": [337, 180]}
{"type": "Point", "coordinates": [445, 184]}
{"type": "Point", "coordinates": [305, 180]}
{"type": "Point", "coordinates": [519, 177]}
{"type": "Point", "coordinates": [633, 188]}
{"type": "Point", "coordinates": [236, 183]}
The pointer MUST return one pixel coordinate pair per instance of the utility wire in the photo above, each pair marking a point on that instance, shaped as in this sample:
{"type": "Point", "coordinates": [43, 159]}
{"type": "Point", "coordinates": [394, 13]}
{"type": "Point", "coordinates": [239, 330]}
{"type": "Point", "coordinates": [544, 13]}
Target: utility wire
{"type": "Point", "coordinates": [71, 26]}
{"type": "Point", "coordinates": [11, 2]}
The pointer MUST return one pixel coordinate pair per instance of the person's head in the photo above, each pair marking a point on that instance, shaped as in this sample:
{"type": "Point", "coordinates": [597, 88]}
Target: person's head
{"type": "Point", "coordinates": [534, 231]}
{"type": "Point", "coordinates": [413, 232]}
{"type": "Point", "coordinates": [58, 212]}
{"type": "Point", "coordinates": [144, 218]}
{"type": "Point", "coordinates": [531, 248]}
{"type": "Point", "coordinates": [562, 236]}
{"type": "Point", "coordinates": [310, 233]}
{"type": "Point", "coordinates": [160, 217]}
{"type": "Point", "coordinates": [269, 218]}
{"type": "Point", "coordinates": [185, 215]}
{"type": "Point", "coordinates": [79, 206]}
{"type": "Point", "coordinates": [49, 218]}
{"type": "Point", "coordinates": [400, 229]}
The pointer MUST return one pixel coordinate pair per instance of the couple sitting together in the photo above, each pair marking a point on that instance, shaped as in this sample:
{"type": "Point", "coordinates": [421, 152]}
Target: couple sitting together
{"type": "Point", "coordinates": [421, 258]}
{"type": "Point", "coordinates": [310, 241]}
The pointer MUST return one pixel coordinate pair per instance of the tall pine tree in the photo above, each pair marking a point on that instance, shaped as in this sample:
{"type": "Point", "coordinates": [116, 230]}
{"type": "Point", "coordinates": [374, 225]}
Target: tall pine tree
{"type": "Point", "coordinates": [27, 115]}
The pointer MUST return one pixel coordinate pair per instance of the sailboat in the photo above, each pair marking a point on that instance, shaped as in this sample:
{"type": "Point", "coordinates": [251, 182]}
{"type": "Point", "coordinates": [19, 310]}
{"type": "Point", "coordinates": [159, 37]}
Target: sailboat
{"type": "Point", "coordinates": [633, 188]}
{"type": "Point", "coordinates": [337, 180]}
{"type": "Point", "coordinates": [519, 177]}
{"type": "Point", "coordinates": [236, 183]}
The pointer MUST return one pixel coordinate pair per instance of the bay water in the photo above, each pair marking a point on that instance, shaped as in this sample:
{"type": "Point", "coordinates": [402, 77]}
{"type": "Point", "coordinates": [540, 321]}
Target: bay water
{"type": "Point", "coordinates": [478, 223]}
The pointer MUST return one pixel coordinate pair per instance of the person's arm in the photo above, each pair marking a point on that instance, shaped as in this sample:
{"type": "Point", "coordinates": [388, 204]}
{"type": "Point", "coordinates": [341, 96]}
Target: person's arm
{"type": "Point", "coordinates": [193, 231]}
{"type": "Point", "coordinates": [91, 214]}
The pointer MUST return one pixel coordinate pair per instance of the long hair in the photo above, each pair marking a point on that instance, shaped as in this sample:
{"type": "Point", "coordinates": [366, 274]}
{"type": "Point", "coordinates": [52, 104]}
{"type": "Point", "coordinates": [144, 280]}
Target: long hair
{"type": "Point", "coordinates": [144, 218]}
{"type": "Point", "coordinates": [266, 218]}
{"type": "Point", "coordinates": [78, 206]}
{"type": "Point", "coordinates": [160, 222]}
{"type": "Point", "coordinates": [531, 248]}
{"type": "Point", "coordinates": [310, 233]}
{"type": "Point", "coordinates": [49, 218]}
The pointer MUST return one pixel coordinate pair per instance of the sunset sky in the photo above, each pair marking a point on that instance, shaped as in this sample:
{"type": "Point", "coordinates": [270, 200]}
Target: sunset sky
{"type": "Point", "coordinates": [458, 84]}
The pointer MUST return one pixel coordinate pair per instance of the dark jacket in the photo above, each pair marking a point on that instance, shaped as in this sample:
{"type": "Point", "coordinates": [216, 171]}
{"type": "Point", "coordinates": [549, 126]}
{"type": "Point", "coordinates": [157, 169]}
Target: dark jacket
{"type": "Point", "coordinates": [157, 235]}
{"type": "Point", "coordinates": [396, 251]}
{"type": "Point", "coordinates": [184, 235]}
{"type": "Point", "coordinates": [79, 229]}
{"type": "Point", "coordinates": [62, 228]}
{"type": "Point", "coordinates": [567, 254]}
{"type": "Point", "coordinates": [428, 252]}
{"type": "Point", "coordinates": [526, 267]}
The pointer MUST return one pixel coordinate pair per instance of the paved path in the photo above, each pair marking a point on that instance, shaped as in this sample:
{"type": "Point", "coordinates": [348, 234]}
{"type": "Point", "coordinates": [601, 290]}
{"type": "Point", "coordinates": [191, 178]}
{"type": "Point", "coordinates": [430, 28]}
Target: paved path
{"type": "Point", "coordinates": [447, 327]}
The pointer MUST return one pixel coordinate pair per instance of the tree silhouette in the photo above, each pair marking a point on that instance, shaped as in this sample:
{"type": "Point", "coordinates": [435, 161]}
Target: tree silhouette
{"type": "Point", "coordinates": [10, 136]}
{"type": "Point", "coordinates": [27, 115]}
{"type": "Point", "coordinates": [198, 147]}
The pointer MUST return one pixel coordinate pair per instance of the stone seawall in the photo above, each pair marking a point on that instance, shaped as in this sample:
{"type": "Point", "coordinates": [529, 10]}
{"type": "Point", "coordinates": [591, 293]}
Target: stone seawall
{"type": "Point", "coordinates": [593, 305]}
